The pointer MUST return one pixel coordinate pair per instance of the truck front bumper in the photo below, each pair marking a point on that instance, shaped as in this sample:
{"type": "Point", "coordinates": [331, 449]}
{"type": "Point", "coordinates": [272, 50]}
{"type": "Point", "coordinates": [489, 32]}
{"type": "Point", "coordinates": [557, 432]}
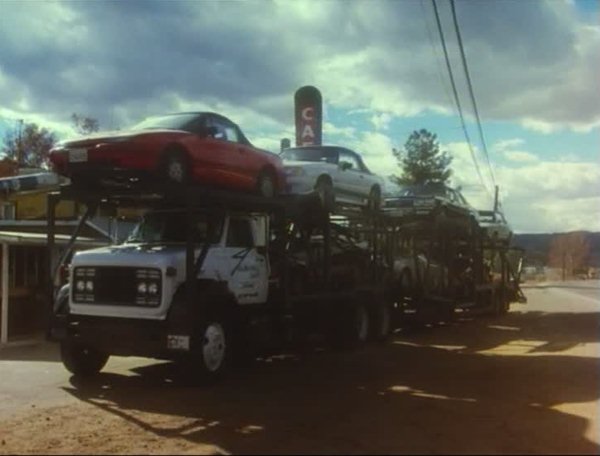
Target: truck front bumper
{"type": "Point", "coordinates": [124, 336]}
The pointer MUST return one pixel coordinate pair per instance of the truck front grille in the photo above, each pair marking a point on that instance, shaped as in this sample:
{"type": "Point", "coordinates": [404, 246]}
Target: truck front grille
{"type": "Point", "coordinates": [117, 286]}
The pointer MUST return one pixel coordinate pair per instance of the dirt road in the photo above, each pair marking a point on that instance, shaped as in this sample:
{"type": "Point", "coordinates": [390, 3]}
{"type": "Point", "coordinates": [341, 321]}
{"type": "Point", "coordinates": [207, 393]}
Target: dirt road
{"type": "Point", "coordinates": [528, 382]}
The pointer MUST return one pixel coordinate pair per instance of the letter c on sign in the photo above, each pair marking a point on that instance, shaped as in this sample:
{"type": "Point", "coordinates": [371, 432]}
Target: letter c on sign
{"type": "Point", "coordinates": [308, 113]}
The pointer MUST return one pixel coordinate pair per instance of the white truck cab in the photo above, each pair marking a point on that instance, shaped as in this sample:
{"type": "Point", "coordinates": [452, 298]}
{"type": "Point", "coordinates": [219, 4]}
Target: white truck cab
{"type": "Point", "coordinates": [139, 278]}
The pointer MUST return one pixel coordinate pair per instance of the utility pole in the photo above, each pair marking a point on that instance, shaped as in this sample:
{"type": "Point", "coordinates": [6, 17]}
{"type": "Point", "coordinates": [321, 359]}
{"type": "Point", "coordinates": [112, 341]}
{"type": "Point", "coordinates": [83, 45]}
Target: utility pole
{"type": "Point", "coordinates": [20, 146]}
{"type": "Point", "coordinates": [495, 202]}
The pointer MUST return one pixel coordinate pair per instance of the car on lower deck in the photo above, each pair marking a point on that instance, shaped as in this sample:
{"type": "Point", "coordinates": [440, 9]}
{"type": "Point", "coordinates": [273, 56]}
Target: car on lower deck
{"type": "Point", "coordinates": [337, 174]}
{"type": "Point", "coordinates": [494, 225]}
{"type": "Point", "coordinates": [430, 199]}
{"type": "Point", "coordinates": [201, 147]}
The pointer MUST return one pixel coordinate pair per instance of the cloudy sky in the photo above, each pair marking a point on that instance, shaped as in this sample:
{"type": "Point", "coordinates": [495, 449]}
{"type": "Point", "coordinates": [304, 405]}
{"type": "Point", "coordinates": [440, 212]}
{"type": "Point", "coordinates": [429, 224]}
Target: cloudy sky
{"type": "Point", "coordinates": [379, 65]}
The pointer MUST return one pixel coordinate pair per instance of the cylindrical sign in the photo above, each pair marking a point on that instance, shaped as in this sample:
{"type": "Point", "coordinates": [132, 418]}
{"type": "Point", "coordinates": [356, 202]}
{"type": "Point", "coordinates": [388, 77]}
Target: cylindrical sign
{"type": "Point", "coordinates": [309, 116]}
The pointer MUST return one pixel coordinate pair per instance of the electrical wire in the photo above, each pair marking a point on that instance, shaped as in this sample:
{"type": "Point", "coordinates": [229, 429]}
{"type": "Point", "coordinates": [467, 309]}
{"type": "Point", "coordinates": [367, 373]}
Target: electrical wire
{"type": "Point", "coordinates": [470, 86]}
{"type": "Point", "coordinates": [456, 98]}
{"type": "Point", "coordinates": [436, 56]}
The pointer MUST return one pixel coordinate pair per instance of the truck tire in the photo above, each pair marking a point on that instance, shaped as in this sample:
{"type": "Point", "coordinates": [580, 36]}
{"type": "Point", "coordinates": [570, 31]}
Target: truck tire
{"type": "Point", "coordinates": [380, 322]}
{"type": "Point", "coordinates": [213, 351]}
{"type": "Point", "coordinates": [351, 326]}
{"type": "Point", "coordinates": [501, 306]}
{"type": "Point", "coordinates": [80, 360]}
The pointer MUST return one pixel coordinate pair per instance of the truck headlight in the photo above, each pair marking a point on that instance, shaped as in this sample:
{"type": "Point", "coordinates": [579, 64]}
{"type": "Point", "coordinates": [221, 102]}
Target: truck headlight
{"type": "Point", "coordinates": [148, 286]}
{"type": "Point", "coordinates": [89, 286]}
{"type": "Point", "coordinates": [142, 288]}
{"type": "Point", "coordinates": [153, 289]}
{"type": "Point", "coordinates": [80, 285]}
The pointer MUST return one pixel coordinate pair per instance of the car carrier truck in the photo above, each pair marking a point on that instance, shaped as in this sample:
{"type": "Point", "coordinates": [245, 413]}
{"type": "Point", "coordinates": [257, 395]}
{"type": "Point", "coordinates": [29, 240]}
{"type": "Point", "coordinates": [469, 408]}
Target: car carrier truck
{"type": "Point", "coordinates": [208, 277]}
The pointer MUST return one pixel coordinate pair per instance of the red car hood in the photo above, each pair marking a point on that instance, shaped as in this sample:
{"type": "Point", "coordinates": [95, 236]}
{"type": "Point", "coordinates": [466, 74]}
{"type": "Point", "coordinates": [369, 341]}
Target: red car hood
{"type": "Point", "coordinates": [108, 136]}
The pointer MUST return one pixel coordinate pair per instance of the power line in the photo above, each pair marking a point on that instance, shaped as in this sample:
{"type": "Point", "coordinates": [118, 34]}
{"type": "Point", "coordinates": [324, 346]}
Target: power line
{"type": "Point", "coordinates": [454, 91]}
{"type": "Point", "coordinates": [435, 53]}
{"type": "Point", "coordinates": [470, 86]}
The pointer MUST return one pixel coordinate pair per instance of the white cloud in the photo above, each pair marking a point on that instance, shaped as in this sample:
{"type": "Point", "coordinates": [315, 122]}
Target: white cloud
{"type": "Point", "coordinates": [520, 156]}
{"type": "Point", "coordinates": [376, 150]}
{"type": "Point", "coordinates": [337, 133]}
{"type": "Point", "coordinates": [539, 126]}
{"type": "Point", "coordinates": [505, 144]}
{"type": "Point", "coordinates": [510, 150]}
{"type": "Point", "coordinates": [537, 195]}
{"type": "Point", "coordinates": [552, 196]}
{"type": "Point", "coordinates": [381, 121]}
{"type": "Point", "coordinates": [543, 215]}
{"type": "Point", "coordinates": [533, 61]}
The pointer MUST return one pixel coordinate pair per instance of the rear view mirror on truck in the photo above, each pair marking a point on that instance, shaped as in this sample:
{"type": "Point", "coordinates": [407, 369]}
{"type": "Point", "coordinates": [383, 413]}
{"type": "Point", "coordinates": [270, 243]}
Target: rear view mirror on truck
{"type": "Point", "coordinates": [261, 233]}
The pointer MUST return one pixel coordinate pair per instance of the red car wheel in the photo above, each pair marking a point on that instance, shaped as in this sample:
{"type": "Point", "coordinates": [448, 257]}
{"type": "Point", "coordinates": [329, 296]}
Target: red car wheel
{"type": "Point", "coordinates": [176, 168]}
{"type": "Point", "coordinates": [266, 185]}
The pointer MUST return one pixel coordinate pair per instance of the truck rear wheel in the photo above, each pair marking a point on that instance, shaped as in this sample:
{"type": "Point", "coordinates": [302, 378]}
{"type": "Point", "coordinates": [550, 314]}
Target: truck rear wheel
{"type": "Point", "coordinates": [351, 326]}
{"type": "Point", "coordinates": [381, 322]}
{"type": "Point", "coordinates": [80, 360]}
{"type": "Point", "coordinates": [501, 305]}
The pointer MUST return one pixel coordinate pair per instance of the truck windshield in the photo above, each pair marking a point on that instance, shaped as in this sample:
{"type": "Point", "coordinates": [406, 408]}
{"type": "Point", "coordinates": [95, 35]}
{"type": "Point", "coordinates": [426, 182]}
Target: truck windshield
{"type": "Point", "coordinates": [171, 227]}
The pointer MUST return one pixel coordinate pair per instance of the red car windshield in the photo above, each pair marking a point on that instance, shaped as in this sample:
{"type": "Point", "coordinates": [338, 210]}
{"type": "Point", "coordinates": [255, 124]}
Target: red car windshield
{"type": "Point", "coordinates": [167, 122]}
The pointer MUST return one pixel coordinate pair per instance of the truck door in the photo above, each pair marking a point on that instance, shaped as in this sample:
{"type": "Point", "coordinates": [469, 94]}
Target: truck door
{"type": "Point", "coordinates": [247, 264]}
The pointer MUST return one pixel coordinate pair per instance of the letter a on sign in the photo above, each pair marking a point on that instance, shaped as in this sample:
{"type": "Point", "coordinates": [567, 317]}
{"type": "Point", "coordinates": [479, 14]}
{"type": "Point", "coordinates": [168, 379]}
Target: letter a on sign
{"type": "Point", "coordinates": [308, 116]}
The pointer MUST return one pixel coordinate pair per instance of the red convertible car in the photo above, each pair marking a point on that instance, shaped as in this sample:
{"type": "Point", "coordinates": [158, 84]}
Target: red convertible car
{"type": "Point", "coordinates": [202, 147]}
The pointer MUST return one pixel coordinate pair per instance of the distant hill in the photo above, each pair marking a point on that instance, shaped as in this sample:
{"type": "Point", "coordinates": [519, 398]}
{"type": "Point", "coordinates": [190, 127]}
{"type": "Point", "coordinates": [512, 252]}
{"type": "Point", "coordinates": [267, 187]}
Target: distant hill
{"type": "Point", "coordinates": [537, 246]}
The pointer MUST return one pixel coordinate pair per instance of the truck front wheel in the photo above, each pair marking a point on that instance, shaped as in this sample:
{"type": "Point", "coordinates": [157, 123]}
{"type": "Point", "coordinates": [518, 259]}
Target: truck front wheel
{"type": "Point", "coordinates": [213, 351]}
{"type": "Point", "coordinates": [80, 360]}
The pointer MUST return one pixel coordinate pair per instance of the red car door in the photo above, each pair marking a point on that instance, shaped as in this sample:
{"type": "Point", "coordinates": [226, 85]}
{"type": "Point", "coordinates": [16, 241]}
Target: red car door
{"type": "Point", "coordinates": [216, 160]}
{"type": "Point", "coordinates": [244, 160]}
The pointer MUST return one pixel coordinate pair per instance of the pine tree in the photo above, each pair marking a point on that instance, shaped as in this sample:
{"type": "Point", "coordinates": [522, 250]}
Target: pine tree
{"type": "Point", "coordinates": [422, 161]}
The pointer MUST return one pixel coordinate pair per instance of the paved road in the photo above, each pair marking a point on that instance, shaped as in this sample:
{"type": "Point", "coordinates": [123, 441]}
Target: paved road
{"type": "Point", "coordinates": [528, 382]}
{"type": "Point", "coordinates": [587, 290]}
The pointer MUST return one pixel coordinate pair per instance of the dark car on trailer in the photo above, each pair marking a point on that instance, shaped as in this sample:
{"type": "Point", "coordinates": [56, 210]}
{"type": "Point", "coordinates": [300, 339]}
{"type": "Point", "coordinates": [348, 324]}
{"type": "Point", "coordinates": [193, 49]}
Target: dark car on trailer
{"type": "Point", "coordinates": [430, 199]}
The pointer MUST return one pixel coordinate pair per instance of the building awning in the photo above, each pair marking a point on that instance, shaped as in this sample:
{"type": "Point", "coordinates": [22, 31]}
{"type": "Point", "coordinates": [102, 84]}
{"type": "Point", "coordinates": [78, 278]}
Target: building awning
{"type": "Point", "coordinates": [24, 238]}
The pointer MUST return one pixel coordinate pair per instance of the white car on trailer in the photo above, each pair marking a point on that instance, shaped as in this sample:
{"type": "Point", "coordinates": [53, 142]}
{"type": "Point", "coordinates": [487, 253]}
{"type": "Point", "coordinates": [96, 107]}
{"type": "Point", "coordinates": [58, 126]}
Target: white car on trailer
{"type": "Point", "coordinates": [337, 174]}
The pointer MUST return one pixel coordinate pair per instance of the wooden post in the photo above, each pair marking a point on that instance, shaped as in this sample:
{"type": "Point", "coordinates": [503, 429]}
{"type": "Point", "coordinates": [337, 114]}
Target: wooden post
{"type": "Point", "coordinates": [4, 328]}
{"type": "Point", "coordinates": [495, 203]}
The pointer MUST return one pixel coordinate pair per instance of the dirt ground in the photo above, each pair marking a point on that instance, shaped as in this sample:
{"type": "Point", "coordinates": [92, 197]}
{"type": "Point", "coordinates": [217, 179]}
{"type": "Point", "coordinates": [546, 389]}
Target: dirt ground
{"type": "Point", "coordinates": [528, 382]}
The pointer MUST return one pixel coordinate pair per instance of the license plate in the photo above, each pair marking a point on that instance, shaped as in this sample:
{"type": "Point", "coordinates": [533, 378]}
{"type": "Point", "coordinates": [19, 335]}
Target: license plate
{"type": "Point", "coordinates": [176, 342]}
{"type": "Point", "coordinates": [78, 155]}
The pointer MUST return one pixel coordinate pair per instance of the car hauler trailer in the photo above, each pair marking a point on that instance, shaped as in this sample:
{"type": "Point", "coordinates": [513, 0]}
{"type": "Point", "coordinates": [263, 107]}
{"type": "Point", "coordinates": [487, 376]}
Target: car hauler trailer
{"type": "Point", "coordinates": [208, 276]}
{"type": "Point", "coordinates": [441, 265]}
